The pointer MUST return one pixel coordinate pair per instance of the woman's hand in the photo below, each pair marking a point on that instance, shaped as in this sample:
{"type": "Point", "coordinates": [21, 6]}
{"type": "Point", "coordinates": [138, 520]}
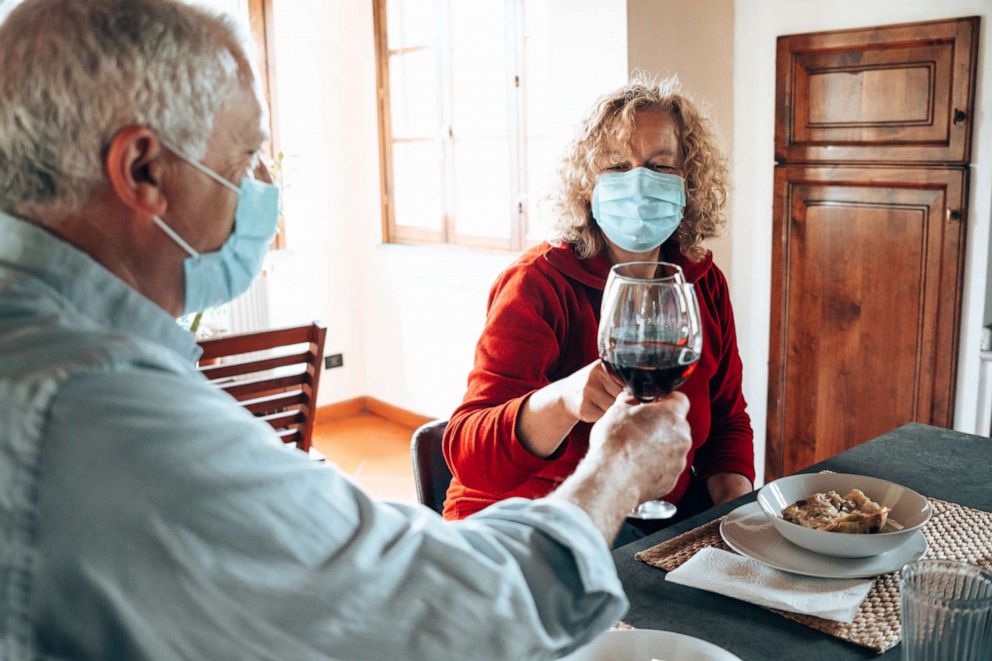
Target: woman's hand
{"type": "Point", "coordinates": [549, 414]}
{"type": "Point", "coordinates": [724, 487]}
{"type": "Point", "coordinates": [589, 392]}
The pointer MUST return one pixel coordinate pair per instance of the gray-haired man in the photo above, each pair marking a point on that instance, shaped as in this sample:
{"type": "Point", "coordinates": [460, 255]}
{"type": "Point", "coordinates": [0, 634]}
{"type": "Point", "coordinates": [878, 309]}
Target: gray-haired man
{"type": "Point", "coordinates": [144, 514]}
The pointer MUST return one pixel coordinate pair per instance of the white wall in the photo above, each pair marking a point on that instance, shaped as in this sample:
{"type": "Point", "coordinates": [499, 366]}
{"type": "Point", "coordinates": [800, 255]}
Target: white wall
{"type": "Point", "coordinates": [663, 38]}
{"type": "Point", "coordinates": [324, 82]}
{"type": "Point", "coordinates": [757, 24]}
{"type": "Point", "coordinates": [426, 309]}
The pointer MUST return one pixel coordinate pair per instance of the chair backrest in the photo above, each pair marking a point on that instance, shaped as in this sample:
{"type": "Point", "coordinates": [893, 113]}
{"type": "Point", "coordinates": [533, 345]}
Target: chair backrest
{"type": "Point", "coordinates": [274, 374]}
{"type": "Point", "coordinates": [430, 471]}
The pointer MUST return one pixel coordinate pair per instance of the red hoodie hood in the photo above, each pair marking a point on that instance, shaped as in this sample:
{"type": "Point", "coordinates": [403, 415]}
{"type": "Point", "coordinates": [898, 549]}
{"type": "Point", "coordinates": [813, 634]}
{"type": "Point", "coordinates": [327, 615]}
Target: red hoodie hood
{"type": "Point", "coordinates": [593, 271]}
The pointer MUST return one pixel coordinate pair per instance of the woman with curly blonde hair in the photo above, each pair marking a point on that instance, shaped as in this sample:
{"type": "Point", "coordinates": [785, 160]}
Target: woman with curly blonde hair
{"type": "Point", "coordinates": [643, 180]}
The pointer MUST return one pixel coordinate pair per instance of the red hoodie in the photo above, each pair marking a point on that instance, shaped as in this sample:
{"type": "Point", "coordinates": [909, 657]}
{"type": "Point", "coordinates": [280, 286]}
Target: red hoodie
{"type": "Point", "coordinates": [541, 326]}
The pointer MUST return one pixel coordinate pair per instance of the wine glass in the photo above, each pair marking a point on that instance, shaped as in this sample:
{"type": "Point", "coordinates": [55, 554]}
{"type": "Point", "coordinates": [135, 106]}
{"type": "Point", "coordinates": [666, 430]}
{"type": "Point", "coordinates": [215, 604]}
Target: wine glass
{"type": "Point", "coordinates": [650, 338]}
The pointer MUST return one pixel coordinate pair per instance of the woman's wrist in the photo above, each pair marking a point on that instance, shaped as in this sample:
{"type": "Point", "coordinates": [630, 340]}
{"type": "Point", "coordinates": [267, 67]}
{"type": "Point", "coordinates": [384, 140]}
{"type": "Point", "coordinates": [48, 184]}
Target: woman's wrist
{"type": "Point", "coordinates": [545, 420]}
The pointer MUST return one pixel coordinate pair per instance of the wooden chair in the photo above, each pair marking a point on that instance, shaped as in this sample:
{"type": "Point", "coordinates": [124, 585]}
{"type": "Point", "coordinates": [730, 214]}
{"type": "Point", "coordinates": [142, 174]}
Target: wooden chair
{"type": "Point", "coordinates": [431, 474]}
{"type": "Point", "coordinates": [277, 380]}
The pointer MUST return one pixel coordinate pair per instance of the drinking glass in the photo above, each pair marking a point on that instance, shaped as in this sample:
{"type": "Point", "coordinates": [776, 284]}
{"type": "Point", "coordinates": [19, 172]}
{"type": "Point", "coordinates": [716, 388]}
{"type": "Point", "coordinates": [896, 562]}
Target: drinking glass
{"type": "Point", "coordinates": [946, 611]}
{"type": "Point", "coordinates": [650, 338]}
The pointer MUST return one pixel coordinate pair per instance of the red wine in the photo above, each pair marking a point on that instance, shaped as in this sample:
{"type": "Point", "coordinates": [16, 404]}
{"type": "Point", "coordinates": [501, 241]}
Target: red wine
{"type": "Point", "coordinates": [650, 370]}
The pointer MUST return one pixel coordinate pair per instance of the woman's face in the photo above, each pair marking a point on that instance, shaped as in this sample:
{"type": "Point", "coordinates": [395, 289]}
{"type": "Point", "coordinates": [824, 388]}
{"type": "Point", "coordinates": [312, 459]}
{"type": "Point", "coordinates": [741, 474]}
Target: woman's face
{"type": "Point", "coordinates": [655, 143]}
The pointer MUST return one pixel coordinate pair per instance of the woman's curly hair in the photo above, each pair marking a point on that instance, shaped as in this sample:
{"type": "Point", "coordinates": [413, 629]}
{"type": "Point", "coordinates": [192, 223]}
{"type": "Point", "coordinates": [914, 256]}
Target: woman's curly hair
{"type": "Point", "coordinates": [606, 130]}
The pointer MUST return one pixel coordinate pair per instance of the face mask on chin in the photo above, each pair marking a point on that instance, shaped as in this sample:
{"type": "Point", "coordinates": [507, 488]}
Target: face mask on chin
{"type": "Point", "coordinates": [638, 210]}
{"type": "Point", "coordinates": [217, 277]}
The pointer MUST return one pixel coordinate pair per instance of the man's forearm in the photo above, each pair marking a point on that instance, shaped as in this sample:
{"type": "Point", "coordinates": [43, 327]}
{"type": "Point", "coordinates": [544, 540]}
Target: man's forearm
{"type": "Point", "coordinates": [598, 487]}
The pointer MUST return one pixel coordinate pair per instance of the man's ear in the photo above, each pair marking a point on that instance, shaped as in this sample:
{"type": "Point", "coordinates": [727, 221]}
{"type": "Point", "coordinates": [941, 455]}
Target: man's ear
{"type": "Point", "coordinates": [135, 167]}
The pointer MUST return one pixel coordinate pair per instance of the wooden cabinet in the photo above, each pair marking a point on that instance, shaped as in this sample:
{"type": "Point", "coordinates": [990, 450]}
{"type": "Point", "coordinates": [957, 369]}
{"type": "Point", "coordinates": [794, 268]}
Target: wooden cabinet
{"type": "Point", "coordinates": [867, 265]}
{"type": "Point", "coordinates": [898, 94]}
{"type": "Point", "coordinates": [872, 139]}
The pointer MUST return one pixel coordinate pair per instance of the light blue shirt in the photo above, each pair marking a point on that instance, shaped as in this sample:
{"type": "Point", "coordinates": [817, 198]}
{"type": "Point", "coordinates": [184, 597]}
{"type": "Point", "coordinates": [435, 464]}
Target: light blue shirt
{"type": "Point", "coordinates": [145, 514]}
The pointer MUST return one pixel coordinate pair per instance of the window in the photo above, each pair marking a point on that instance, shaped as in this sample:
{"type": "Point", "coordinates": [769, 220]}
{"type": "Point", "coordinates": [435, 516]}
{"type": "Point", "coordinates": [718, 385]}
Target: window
{"type": "Point", "coordinates": [260, 24]}
{"type": "Point", "coordinates": [464, 142]}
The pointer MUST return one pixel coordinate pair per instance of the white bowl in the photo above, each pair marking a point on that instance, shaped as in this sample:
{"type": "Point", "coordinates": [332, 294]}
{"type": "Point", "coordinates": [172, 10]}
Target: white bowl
{"type": "Point", "coordinates": [910, 511]}
{"type": "Point", "coordinates": [627, 644]}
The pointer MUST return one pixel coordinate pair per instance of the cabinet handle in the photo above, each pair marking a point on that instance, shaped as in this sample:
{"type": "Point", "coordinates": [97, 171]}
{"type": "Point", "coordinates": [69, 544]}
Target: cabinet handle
{"type": "Point", "coordinates": [953, 215]}
{"type": "Point", "coordinates": [959, 115]}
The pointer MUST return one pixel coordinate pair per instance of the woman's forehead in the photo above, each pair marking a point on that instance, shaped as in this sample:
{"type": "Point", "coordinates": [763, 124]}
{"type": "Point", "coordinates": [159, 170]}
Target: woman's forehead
{"type": "Point", "coordinates": [653, 122]}
{"type": "Point", "coordinates": [650, 132]}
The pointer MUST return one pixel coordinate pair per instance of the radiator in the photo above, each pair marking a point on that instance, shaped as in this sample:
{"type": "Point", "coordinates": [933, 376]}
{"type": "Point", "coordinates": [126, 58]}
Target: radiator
{"type": "Point", "coordinates": [250, 311]}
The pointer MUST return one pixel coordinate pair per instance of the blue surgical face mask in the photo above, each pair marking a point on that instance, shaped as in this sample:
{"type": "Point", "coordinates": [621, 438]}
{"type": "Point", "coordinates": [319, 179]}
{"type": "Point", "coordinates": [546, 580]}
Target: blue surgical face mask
{"type": "Point", "coordinates": [217, 277]}
{"type": "Point", "coordinates": [639, 209]}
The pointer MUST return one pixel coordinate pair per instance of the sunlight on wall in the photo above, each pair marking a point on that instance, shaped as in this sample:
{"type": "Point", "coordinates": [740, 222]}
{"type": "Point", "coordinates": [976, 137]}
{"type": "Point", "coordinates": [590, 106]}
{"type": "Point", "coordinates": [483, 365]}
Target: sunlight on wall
{"type": "Point", "coordinates": [318, 275]}
{"type": "Point", "coordinates": [661, 39]}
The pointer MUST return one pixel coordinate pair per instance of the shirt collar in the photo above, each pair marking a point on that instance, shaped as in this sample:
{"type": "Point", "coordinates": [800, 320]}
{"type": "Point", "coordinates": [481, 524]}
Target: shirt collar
{"type": "Point", "coordinates": [95, 292]}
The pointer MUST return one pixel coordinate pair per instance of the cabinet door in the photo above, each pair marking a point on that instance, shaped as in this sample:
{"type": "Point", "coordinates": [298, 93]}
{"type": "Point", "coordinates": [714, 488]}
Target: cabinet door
{"type": "Point", "coordinates": [866, 289]}
{"type": "Point", "coordinates": [893, 94]}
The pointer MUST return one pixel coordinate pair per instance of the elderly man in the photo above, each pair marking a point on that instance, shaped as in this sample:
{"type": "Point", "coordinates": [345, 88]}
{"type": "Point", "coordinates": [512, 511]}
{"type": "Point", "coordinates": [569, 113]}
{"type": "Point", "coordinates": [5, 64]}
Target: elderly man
{"type": "Point", "coordinates": [144, 514]}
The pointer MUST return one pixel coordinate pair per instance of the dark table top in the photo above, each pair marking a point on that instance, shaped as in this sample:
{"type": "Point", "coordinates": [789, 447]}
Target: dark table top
{"type": "Point", "coordinates": [935, 462]}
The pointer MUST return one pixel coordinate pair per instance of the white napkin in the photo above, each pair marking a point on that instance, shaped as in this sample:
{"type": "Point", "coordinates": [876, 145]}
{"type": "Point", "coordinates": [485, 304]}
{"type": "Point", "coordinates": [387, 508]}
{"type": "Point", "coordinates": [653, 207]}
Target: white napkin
{"type": "Point", "coordinates": [742, 578]}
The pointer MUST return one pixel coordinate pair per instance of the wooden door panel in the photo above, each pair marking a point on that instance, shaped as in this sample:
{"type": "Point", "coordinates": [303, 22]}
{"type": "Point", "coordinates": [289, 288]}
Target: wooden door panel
{"type": "Point", "coordinates": [866, 281]}
{"type": "Point", "coordinates": [893, 89]}
{"type": "Point", "coordinates": [855, 268]}
{"type": "Point", "coordinates": [895, 94]}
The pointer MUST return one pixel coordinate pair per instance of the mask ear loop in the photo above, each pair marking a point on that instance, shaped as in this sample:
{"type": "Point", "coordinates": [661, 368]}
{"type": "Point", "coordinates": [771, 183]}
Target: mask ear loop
{"type": "Point", "coordinates": [175, 237]}
{"type": "Point", "coordinates": [202, 168]}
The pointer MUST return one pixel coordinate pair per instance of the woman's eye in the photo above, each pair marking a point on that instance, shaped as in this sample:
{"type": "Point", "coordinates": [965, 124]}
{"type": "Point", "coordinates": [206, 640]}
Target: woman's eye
{"type": "Point", "coordinates": [662, 168]}
{"type": "Point", "coordinates": [616, 168]}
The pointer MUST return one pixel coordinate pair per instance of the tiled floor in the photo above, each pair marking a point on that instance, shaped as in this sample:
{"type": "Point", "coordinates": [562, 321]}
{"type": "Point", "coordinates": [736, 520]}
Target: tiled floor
{"type": "Point", "coordinates": [373, 451]}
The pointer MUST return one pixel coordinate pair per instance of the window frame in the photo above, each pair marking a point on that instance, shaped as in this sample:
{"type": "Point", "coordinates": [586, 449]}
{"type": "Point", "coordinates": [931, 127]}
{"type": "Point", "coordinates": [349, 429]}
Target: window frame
{"type": "Point", "coordinates": [516, 207]}
{"type": "Point", "coordinates": [260, 17]}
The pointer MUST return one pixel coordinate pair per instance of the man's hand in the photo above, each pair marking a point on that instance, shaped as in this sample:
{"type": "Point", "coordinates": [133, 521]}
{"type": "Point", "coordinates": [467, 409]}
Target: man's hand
{"type": "Point", "coordinates": [653, 438]}
{"type": "Point", "coordinates": [636, 453]}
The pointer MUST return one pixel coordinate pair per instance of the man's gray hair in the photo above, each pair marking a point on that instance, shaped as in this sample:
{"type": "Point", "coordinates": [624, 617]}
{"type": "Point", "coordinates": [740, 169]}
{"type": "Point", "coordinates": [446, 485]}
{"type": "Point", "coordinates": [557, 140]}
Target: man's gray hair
{"type": "Point", "coordinates": [75, 72]}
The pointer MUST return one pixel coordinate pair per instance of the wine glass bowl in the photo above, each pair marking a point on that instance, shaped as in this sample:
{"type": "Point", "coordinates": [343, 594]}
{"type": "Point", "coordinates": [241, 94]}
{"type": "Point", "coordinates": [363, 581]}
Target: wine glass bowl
{"type": "Point", "coordinates": [649, 331]}
{"type": "Point", "coordinates": [650, 337]}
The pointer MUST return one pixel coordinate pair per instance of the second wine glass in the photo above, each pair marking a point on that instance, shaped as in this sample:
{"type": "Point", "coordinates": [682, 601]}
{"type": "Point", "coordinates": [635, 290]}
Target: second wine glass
{"type": "Point", "coordinates": [650, 338]}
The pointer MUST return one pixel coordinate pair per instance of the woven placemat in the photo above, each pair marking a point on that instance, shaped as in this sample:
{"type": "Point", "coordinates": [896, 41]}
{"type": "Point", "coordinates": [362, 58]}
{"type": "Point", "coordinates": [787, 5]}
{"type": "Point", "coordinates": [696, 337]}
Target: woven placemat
{"type": "Point", "coordinates": [955, 532]}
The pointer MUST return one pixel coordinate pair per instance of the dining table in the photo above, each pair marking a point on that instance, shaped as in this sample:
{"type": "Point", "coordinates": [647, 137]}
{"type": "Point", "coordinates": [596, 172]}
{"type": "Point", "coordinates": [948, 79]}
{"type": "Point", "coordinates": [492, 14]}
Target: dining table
{"type": "Point", "coordinates": [933, 461]}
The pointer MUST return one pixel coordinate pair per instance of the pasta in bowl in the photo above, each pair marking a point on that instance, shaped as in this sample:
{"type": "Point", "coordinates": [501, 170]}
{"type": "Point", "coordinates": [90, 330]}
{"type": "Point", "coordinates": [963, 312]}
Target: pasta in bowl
{"type": "Point", "coordinates": [843, 515]}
